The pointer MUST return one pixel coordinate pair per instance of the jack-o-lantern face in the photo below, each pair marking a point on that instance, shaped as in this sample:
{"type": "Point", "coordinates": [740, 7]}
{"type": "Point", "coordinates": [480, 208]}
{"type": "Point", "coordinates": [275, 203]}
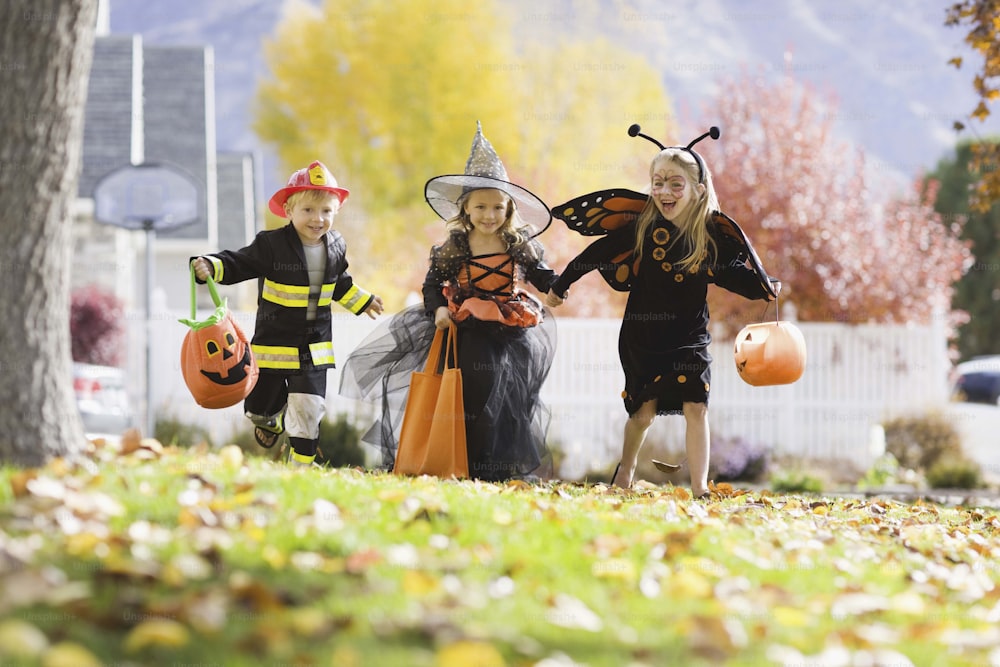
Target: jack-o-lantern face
{"type": "Point", "coordinates": [217, 364]}
{"type": "Point", "coordinates": [226, 375]}
{"type": "Point", "coordinates": [770, 353]}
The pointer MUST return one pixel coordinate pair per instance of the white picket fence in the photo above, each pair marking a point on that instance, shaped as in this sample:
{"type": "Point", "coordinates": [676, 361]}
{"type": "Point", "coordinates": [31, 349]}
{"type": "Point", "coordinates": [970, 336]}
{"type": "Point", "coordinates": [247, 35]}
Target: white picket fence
{"type": "Point", "coordinates": [856, 376]}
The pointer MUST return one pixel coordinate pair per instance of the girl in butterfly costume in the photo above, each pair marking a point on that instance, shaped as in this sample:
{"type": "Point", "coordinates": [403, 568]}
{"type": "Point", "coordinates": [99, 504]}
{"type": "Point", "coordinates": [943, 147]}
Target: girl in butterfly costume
{"type": "Point", "coordinates": [505, 341]}
{"type": "Point", "coordinates": [664, 249]}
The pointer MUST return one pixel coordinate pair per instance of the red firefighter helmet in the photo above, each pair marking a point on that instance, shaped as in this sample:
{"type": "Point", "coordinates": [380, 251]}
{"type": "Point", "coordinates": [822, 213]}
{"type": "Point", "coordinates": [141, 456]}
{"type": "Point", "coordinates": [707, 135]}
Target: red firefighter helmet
{"type": "Point", "coordinates": [314, 177]}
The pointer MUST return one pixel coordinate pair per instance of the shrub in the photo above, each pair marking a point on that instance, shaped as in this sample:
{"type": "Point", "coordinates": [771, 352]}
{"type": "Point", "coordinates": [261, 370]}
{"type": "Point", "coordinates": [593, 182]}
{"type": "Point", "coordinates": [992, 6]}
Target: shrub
{"type": "Point", "coordinates": [920, 442]}
{"type": "Point", "coordinates": [796, 482]}
{"type": "Point", "coordinates": [736, 459]}
{"type": "Point", "coordinates": [172, 431]}
{"type": "Point", "coordinates": [885, 470]}
{"type": "Point", "coordinates": [340, 443]}
{"type": "Point", "coordinates": [958, 474]}
{"type": "Point", "coordinates": [97, 332]}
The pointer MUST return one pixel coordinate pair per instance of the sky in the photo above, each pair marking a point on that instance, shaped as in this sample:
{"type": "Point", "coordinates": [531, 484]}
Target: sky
{"type": "Point", "coordinates": [884, 63]}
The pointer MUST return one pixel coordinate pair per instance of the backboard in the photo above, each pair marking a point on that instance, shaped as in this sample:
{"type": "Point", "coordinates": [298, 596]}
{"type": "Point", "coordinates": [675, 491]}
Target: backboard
{"type": "Point", "coordinates": [149, 196]}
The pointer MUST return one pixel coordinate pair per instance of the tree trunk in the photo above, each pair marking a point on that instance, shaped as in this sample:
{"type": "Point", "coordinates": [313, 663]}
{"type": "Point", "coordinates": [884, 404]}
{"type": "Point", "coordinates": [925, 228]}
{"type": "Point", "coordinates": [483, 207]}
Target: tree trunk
{"type": "Point", "coordinates": [46, 48]}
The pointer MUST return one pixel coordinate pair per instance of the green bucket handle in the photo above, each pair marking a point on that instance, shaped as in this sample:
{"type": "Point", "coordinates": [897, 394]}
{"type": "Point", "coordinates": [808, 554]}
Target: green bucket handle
{"type": "Point", "coordinates": [221, 305]}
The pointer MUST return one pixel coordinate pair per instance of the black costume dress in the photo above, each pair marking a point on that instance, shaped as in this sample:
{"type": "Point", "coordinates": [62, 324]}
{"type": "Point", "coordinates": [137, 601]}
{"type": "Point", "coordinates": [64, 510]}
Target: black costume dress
{"type": "Point", "coordinates": [505, 351]}
{"type": "Point", "coordinates": [663, 342]}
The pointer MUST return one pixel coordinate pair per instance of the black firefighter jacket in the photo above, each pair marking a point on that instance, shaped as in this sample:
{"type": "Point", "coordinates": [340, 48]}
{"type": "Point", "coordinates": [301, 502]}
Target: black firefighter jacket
{"type": "Point", "coordinates": [282, 332]}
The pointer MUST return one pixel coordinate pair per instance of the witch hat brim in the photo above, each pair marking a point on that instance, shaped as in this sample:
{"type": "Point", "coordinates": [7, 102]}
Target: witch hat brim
{"type": "Point", "coordinates": [443, 193]}
{"type": "Point", "coordinates": [484, 170]}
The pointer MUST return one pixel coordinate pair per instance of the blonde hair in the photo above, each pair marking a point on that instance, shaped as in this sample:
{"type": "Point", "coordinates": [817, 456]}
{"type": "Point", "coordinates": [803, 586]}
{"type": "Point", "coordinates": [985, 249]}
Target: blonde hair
{"type": "Point", "coordinates": [310, 196]}
{"type": "Point", "coordinates": [512, 231]}
{"type": "Point", "coordinates": [693, 221]}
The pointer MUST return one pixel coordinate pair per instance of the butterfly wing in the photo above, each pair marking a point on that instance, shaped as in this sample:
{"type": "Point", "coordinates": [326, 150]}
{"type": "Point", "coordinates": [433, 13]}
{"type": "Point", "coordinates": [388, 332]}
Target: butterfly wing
{"type": "Point", "coordinates": [602, 212]}
{"type": "Point", "coordinates": [620, 271]}
{"type": "Point", "coordinates": [730, 229]}
{"type": "Point", "coordinates": [598, 213]}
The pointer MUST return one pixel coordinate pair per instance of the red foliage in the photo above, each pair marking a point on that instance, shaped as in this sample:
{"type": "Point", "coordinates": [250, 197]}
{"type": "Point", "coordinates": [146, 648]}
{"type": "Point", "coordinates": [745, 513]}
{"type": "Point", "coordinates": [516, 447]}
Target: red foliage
{"type": "Point", "coordinates": [803, 197]}
{"type": "Point", "coordinates": [96, 325]}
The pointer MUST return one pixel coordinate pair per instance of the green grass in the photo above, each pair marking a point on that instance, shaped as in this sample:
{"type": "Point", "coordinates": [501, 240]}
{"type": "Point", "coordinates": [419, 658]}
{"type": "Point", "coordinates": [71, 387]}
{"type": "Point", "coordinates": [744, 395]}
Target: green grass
{"type": "Point", "coordinates": [200, 558]}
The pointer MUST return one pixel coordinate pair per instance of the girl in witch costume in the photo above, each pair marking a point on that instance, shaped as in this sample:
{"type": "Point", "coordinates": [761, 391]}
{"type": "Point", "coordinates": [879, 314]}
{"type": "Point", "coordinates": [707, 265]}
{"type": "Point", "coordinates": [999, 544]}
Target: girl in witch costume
{"type": "Point", "coordinates": [505, 341]}
{"type": "Point", "coordinates": [665, 249]}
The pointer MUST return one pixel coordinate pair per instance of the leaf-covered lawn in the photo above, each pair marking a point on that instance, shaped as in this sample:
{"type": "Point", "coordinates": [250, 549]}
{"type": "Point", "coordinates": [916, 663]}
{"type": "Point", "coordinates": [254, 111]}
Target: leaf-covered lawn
{"type": "Point", "coordinates": [194, 557]}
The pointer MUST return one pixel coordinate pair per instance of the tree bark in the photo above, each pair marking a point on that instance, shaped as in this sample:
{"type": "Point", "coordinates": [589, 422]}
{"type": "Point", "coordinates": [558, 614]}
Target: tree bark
{"type": "Point", "coordinates": [46, 47]}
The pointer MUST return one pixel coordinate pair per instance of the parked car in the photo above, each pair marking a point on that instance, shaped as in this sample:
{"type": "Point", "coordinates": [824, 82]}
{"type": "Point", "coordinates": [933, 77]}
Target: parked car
{"type": "Point", "coordinates": [102, 400]}
{"type": "Point", "coordinates": [977, 380]}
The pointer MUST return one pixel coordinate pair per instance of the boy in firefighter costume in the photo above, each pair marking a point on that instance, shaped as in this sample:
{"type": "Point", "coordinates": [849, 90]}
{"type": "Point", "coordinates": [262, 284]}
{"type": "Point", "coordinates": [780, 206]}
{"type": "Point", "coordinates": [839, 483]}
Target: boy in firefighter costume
{"type": "Point", "coordinates": [301, 269]}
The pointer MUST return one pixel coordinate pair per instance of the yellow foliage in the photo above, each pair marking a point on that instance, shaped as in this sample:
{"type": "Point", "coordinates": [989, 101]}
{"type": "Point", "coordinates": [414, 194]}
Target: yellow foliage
{"type": "Point", "coordinates": [387, 93]}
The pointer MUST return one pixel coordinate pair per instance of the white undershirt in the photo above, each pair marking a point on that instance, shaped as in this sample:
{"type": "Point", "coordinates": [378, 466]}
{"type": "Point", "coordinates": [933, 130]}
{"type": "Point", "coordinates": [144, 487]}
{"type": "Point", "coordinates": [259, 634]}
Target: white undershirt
{"type": "Point", "coordinates": [316, 267]}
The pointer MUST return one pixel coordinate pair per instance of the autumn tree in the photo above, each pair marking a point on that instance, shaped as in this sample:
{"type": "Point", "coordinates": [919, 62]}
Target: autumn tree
{"type": "Point", "coordinates": [978, 292]}
{"type": "Point", "coordinates": [980, 18]}
{"type": "Point", "coordinates": [393, 92]}
{"type": "Point", "coordinates": [45, 55]}
{"type": "Point", "coordinates": [844, 251]}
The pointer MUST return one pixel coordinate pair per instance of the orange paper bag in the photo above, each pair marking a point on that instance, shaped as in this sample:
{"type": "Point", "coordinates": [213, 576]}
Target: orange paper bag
{"type": "Point", "coordinates": [432, 437]}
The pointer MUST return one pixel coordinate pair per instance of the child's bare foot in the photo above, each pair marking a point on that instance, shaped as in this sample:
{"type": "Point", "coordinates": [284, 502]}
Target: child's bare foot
{"type": "Point", "coordinates": [623, 476]}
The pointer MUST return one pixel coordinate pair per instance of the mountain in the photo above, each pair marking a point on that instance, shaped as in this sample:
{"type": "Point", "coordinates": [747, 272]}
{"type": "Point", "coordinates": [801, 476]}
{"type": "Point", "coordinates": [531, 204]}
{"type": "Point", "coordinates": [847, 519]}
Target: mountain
{"type": "Point", "coordinates": [885, 63]}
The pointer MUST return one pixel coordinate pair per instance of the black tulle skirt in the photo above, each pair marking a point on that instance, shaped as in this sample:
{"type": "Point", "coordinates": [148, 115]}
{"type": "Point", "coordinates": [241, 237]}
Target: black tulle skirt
{"type": "Point", "coordinates": [503, 369]}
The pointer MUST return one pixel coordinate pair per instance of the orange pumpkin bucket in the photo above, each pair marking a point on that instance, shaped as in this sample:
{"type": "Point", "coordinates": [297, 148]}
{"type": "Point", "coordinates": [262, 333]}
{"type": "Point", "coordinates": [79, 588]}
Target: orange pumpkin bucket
{"type": "Point", "coordinates": [770, 353]}
{"type": "Point", "coordinates": [216, 360]}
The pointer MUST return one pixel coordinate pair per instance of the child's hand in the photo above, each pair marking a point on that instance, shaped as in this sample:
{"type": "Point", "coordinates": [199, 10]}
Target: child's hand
{"type": "Point", "coordinates": [374, 308]}
{"type": "Point", "coordinates": [442, 318]}
{"type": "Point", "coordinates": [552, 299]}
{"type": "Point", "coordinates": [202, 268]}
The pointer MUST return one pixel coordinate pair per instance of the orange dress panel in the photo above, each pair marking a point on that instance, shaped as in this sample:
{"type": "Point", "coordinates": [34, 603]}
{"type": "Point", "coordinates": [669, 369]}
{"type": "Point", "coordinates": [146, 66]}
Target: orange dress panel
{"type": "Point", "coordinates": [487, 290]}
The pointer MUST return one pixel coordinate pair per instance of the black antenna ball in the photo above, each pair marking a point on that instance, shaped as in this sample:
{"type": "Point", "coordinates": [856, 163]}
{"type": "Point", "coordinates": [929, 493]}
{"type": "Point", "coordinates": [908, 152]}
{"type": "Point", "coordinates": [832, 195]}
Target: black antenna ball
{"type": "Point", "coordinates": [633, 131]}
{"type": "Point", "coordinates": [714, 132]}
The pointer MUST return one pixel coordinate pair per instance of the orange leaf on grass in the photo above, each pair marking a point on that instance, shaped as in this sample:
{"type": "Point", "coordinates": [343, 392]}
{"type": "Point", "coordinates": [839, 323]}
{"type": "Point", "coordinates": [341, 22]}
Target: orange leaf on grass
{"type": "Point", "coordinates": [360, 561]}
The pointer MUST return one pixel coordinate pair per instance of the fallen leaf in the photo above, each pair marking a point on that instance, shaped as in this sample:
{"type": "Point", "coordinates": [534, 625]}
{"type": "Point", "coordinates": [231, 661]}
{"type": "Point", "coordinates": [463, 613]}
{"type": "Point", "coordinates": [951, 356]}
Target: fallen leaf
{"type": "Point", "coordinates": [21, 640]}
{"type": "Point", "coordinates": [326, 516]}
{"type": "Point", "coordinates": [502, 517]}
{"type": "Point", "coordinates": [567, 611]}
{"type": "Point", "coordinates": [614, 568]}
{"type": "Point", "coordinates": [19, 482]}
{"type": "Point", "coordinates": [419, 583]}
{"type": "Point", "coordinates": [231, 456]}
{"type": "Point", "coordinates": [69, 654]}
{"type": "Point", "coordinates": [714, 637]}
{"type": "Point", "coordinates": [309, 622]}
{"type": "Point", "coordinates": [131, 440]}
{"type": "Point", "coordinates": [164, 632]}
{"type": "Point", "coordinates": [466, 653]}
{"type": "Point", "coordinates": [359, 561]}
{"type": "Point", "coordinates": [790, 617]}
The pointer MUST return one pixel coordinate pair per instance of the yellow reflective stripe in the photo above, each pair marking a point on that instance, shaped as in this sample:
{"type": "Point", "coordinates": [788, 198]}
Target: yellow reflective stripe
{"type": "Point", "coordinates": [276, 356]}
{"type": "Point", "coordinates": [303, 458]}
{"type": "Point", "coordinates": [326, 295]}
{"type": "Point", "coordinates": [291, 296]}
{"type": "Point", "coordinates": [322, 353]}
{"type": "Point", "coordinates": [217, 268]}
{"type": "Point", "coordinates": [355, 299]}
